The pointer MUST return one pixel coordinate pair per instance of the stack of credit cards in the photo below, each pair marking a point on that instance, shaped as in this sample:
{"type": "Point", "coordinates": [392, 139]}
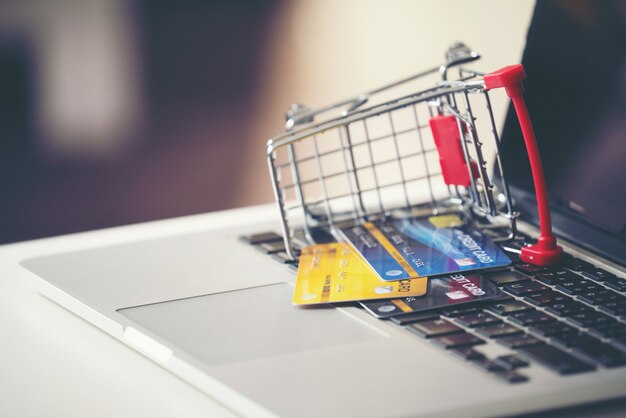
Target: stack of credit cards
{"type": "Point", "coordinates": [419, 247]}
{"type": "Point", "coordinates": [386, 265]}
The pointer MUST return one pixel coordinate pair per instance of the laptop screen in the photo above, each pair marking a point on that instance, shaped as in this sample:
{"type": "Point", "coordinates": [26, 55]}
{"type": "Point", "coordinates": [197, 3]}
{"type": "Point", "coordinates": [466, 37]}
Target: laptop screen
{"type": "Point", "coordinates": [575, 61]}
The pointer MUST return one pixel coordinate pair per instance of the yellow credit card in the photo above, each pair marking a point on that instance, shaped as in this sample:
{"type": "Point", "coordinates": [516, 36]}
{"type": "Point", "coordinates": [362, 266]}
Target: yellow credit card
{"type": "Point", "coordinates": [335, 272]}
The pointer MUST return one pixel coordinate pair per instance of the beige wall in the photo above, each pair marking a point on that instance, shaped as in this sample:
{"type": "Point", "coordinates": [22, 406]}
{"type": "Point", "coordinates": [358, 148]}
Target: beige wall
{"type": "Point", "coordinates": [326, 50]}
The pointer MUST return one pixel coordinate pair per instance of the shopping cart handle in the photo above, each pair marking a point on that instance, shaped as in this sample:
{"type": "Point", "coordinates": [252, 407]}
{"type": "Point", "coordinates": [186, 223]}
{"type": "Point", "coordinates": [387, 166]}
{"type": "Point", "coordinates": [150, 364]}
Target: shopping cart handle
{"type": "Point", "coordinates": [509, 77]}
{"type": "Point", "coordinates": [546, 251]}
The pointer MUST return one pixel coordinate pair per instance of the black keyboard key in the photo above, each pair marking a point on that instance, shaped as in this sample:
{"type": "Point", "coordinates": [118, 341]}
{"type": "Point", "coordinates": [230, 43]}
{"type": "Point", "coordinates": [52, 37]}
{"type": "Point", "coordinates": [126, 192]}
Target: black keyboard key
{"type": "Point", "coordinates": [589, 319]}
{"type": "Point", "coordinates": [602, 354]}
{"type": "Point", "coordinates": [598, 297]}
{"type": "Point", "coordinates": [457, 341]}
{"type": "Point", "coordinates": [434, 328]}
{"type": "Point", "coordinates": [576, 287]}
{"type": "Point", "coordinates": [613, 308]}
{"type": "Point", "coordinates": [272, 247]}
{"type": "Point", "coordinates": [575, 278]}
{"type": "Point", "coordinates": [547, 298]}
{"type": "Point", "coordinates": [592, 287]}
{"type": "Point", "coordinates": [608, 329]}
{"type": "Point", "coordinates": [589, 286]}
{"type": "Point", "coordinates": [509, 307]}
{"type": "Point", "coordinates": [413, 317]}
{"type": "Point", "coordinates": [547, 278]}
{"type": "Point", "coordinates": [563, 273]}
{"type": "Point", "coordinates": [573, 339]}
{"type": "Point", "coordinates": [613, 297]}
{"type": "Point", "coordinates": [501, 298]}
{"type": "Point", "coordinates": [530, 318]}
{"type": "Point", "coordinates": [610, 278]}
{"type": "Point", "coordinates": [468, 353]}
{"type": "Point", "coordinates": [511, 377]}
{"type": "Point", "coordinates": [556, 359]}
{"type": "Point", "coordinates": [501, 278]}
{"type": "Point", "coordinates": [598, 275]}
{"type": "Point", "coordinates": [567, 308]}
{"type": "Point", "coordinates": [530, 269]}
{"type": "Point", "coordinates": [453, 312]}
{"type": "Point", "coordinates": [553, 277]}
{"type": "Point", "coordinates": [616, 283]}
{"type": "Point", "coordinates": [488, 365]}
{"type": "Point", "coordinates": [525, 288]}
{"type": "Point", "coordinates": [499, 331]}
{"type": "Point", "coordinates": [511, 362]}
{"type": "Point", "coordinates": [577, 264]}
{"type": "Point", "coordinates": [479, 319]}
{"type": "Point", "coordinates": [519, 341]}
{"type": "Point", "coordinates": [255, 239]}
{"type": "Point", "coordinates": [549, 329]}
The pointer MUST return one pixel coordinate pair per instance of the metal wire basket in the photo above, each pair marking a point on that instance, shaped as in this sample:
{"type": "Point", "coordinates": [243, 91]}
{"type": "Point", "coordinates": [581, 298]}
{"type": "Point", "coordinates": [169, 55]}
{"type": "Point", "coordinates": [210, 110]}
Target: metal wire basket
{"type": "Point", "coordinates": [421, 153]}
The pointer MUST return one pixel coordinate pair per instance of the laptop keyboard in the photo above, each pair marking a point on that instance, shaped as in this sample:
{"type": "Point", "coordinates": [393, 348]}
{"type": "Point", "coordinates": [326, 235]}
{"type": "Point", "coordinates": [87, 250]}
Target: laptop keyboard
{"type": "Point", "coordinates": [569, 318]}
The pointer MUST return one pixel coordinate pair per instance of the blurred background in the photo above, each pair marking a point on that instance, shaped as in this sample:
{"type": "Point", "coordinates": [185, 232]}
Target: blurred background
{"type": "Point", "coordinates": [117, 111]}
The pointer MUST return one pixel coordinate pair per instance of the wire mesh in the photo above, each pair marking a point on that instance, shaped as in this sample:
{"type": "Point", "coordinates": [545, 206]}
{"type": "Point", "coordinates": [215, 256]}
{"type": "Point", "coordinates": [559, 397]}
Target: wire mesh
{"type": "Point", "coordinates": [373, 162]}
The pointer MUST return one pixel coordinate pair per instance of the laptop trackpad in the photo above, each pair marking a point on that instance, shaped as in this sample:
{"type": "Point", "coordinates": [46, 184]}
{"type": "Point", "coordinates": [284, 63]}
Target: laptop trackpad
{"type": "Point", "coordinates": [248, 324]}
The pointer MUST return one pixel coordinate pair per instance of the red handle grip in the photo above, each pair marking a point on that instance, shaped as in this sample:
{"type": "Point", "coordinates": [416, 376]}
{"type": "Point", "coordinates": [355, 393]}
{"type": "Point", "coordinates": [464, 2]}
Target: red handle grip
{"type": "Point", "coordinates": [546, 251]}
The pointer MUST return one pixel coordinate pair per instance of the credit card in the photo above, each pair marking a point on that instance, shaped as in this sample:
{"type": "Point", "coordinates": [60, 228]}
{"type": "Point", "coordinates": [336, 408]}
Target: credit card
{"type": "Point", "coordinates": [456, 289]}
{"type": "Point", "coordinates": [334, 272]}
{"type": "Point", "coordinates": [422, 247]}
{"type": "Point", "coordinates": [381, 255]}
{"type": "Point", "coordinates": [444, 244]}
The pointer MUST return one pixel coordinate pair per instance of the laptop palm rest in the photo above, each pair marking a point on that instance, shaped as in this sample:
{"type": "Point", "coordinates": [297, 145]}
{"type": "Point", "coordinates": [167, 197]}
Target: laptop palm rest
{"type": "Point", "coordinates": [248, 324]}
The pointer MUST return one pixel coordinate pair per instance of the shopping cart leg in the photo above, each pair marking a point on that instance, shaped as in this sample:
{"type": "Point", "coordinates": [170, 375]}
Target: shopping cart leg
{"type": "Point", "coordinates": [546, 251]}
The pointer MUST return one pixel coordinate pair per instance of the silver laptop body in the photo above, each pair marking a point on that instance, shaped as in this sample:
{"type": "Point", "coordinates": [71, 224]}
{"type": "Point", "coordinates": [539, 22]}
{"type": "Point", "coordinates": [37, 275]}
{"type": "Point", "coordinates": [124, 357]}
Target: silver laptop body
{"type": "Point", "coordinates": [217, 313]}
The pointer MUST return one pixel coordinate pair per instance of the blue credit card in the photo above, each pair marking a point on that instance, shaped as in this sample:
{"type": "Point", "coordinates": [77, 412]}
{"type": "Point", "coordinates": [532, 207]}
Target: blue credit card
{"type": "Point", "coordinates": [379, 253]}
{"type": "Point", "coordinates": [418, 247]}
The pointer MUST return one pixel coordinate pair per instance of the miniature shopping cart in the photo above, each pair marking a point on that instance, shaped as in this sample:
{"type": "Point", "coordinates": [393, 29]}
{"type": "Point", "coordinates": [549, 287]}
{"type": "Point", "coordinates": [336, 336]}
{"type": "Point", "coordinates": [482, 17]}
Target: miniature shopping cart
{"type": "Point", "coordinates": [428, 152]}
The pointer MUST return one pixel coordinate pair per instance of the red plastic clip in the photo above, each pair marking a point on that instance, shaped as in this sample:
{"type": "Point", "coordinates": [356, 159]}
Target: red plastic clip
{"type": "Point", "coordinates": [546, 251]}
{"type": "Point", "coordinates": [448, 141]}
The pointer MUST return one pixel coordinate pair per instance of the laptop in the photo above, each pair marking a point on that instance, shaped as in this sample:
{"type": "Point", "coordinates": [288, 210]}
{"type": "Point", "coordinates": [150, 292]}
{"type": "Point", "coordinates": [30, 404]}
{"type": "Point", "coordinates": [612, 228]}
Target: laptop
{"type": "Point", "coordinates": [214, 307]}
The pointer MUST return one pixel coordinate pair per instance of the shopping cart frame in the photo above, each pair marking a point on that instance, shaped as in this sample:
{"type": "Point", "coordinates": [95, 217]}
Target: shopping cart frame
{"type": "Point", "coordinates": [476, 194]}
